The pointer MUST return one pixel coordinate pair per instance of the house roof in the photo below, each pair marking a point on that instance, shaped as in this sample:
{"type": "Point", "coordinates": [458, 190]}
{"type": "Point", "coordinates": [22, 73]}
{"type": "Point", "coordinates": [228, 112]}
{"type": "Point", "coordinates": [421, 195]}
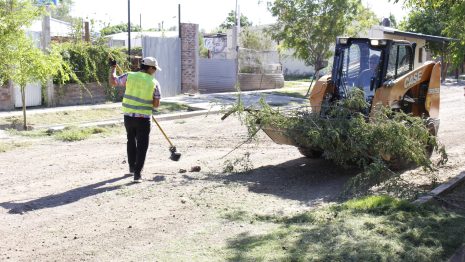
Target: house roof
{"type": "Point", "coordinates": [432, 38]}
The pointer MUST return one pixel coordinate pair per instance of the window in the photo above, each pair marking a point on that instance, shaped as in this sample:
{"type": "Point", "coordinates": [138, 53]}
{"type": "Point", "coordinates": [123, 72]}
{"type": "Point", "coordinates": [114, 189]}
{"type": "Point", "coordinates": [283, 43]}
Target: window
{"type": "Point", "coordinates": [399, 63]}
{"type": "Point", "coordinates": [391, 68]}
{"type": "Point", "coordinates": [420, 55]}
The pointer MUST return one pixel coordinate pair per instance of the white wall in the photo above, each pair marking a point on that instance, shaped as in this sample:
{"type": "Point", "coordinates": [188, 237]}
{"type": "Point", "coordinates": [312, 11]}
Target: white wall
{"type": "Point", "coordinates": [293, 66]}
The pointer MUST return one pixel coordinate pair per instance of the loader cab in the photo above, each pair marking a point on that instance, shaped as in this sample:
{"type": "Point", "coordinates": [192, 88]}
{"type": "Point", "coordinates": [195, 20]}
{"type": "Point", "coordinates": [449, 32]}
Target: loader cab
{"type": "Point", "coordinates": [369, 64]}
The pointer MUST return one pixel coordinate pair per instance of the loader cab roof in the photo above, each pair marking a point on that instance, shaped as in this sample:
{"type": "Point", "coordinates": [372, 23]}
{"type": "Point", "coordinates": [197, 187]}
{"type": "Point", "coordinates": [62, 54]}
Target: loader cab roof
{"type": "Point", "coordinates": [375, 42]}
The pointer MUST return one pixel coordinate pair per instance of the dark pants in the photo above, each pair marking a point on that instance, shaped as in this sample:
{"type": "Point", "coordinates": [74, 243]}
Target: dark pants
{"type": "Point", "coordinates": [137, 130]}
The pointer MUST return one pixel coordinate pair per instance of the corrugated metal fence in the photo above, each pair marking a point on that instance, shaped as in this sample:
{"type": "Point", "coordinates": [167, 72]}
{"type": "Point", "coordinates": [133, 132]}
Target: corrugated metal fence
{"type": "Point", "coordinates": [217, 75]}
{"type": "Point", "coordinates": [33, 95]}
{"type": "Point", "coordinates": [167, 51]}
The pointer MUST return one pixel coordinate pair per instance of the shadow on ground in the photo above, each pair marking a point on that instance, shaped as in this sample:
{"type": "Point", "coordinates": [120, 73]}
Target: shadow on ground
{"type": "Point", "coordinates": [64, 198]}
{"type": "Point", "coordinates": [302, 179]}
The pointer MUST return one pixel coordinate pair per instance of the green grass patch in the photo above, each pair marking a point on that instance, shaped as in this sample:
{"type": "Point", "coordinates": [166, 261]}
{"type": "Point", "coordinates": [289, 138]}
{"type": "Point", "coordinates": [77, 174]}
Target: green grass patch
{"type": "Point", "coordinates": [71, 134]}
{"type": "Point", "coordinates": [376, 228]}
{"type": "Point", "coordinates": [293, 89]}
{"type": "Point", "coordinates": [295, 84]}
{"type": "Point", "coordinates": [30, 133]}
{"type": "Point", "coordinates": [168, 107]}
{"type": "Point", "coordinates": [74, 117]}
{"type": "Point", "coordinates": [299, 92]}
{"type": "Point", "coordinates": [66, 117]}
{"type": "Point", "coordinates": [299, 78]}
{"type": "Point", "coordinates": [8, 146]}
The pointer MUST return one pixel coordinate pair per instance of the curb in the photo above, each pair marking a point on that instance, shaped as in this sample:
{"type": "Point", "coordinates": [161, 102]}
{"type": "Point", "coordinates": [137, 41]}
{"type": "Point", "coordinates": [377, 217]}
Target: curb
{"type": "Point", "coordinates": [459, 254]}
{"type": "Point", "coordinates": [160, 118]}
{"type": "Point", "coordinates": [446, 187]}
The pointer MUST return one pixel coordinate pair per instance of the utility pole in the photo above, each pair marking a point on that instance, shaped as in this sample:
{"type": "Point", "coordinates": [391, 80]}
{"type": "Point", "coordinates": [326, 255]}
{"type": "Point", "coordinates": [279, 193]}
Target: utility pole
{"type": "Point", "coordinates": [236, 44]}
{"type": "Point", "coordinates": [87, 31]}
{"type": "Point", "coordinates": [129, 32]}
{"type": "Point", "coordinates": [179, 20]}
{"type": "Point", "coordinates": [45, 42]}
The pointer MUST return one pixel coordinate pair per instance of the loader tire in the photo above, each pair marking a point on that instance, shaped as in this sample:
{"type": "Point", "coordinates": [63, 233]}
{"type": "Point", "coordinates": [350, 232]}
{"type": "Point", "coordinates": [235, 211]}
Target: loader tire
{"type": "Point", "coordinates": [400, 164]}
{"type": "Point", "coordinates": [430, 124]}
{"type": "Point", "coordinates": [310, 153]}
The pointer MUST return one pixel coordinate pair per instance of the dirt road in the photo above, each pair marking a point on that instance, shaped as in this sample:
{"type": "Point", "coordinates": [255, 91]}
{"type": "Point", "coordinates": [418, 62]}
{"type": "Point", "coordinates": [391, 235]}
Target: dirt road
{"type": "Point", "coordinates": [72, 201]}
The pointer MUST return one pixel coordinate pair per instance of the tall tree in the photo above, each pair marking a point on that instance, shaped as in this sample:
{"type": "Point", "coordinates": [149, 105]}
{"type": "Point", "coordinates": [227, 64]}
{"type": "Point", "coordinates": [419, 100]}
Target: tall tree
{"type": "Point", "coordinates": [426, 21]}
{"type": "Point", "coordinates": [255, 39]}
{"type": "Point", "coordinates": [114, 29]}
{"type": "Point", "coordinates": [364, 19]}
{"type": "Point", "coordinates": [310, 27]}
{"type": "Point", "coordinates": [63, 10]}
{"type": "Point", "coordinates": [449, 16]}
{"type": "Point", "coordinates": [231, 21]}
{"type": "Point", "coordinates": [393, 20]}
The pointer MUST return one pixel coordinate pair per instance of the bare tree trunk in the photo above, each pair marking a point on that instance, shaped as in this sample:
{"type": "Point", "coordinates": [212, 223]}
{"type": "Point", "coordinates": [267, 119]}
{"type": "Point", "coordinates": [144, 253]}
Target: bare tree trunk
{"type": "Point", "coordinates": [23, 100]}
{"type": "Point", "coordinates": [444, 72]}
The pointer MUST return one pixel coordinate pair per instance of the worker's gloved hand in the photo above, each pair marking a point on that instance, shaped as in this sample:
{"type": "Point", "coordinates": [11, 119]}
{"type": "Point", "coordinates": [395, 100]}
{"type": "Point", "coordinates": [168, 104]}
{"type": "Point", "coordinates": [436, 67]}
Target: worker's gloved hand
{"type": "Point", "coordinates": [154, 111]}
{"type": "Point", "coordinates": [112, 62]}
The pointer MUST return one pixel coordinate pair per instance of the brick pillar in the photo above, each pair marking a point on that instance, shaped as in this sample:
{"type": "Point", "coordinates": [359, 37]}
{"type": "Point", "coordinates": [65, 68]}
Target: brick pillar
{"type": "Point", "coordinates": [7, 99]}
{"type": "Point", "coordinates": [189, 58]}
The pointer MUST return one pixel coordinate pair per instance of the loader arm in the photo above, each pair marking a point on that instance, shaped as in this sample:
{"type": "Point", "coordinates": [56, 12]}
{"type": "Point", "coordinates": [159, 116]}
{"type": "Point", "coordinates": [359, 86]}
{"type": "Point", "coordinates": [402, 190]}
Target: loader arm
{"type": "Point", "coordinates": [416, 92]}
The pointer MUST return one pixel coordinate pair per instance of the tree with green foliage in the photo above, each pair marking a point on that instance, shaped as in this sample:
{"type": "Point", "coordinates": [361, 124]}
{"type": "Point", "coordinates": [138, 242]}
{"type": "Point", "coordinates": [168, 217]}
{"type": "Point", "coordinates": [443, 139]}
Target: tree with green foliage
{"type": "Point", "coordinates": [364, 19]}
{"type": "Point", "coordinates": [63, 10]}
{"type": "Point", "coordinates": [11, 29]}
{"type": "Point", "coordinates": [230, 21]}
{"type": "Point", "coordinates": [114, 29]}
{"type": "Point", "coordinates": [20, 61]}
{"type": "Point", "coordinates": [310, 27]}
{"type": "Point", "coordinates": [393, 20]}
{"type": "Point", "coordinates": [255, 39]}
{"type": "Point", "coordinates": [203, 51]}
{"type": "Point", "coordinates": [444, 15]}
{"type": "Point", "coordinates": [427, 20]}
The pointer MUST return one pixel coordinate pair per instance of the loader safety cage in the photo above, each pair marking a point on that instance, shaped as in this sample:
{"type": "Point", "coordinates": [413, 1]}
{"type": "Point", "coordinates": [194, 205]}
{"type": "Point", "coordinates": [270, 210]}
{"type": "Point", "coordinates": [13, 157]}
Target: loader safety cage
{"type": "Point", "coordinates": [369, 63]}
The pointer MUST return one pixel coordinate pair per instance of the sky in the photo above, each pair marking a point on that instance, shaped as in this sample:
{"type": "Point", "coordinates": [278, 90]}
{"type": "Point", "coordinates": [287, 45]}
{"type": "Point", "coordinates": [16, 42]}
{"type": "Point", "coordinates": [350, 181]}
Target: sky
{"type": "Point", "coordinates": [209, 14]}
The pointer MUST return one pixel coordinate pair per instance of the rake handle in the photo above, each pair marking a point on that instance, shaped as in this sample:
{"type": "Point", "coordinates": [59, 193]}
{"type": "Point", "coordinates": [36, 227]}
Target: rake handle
{"type": "Point", "coordinates": [163, 132]}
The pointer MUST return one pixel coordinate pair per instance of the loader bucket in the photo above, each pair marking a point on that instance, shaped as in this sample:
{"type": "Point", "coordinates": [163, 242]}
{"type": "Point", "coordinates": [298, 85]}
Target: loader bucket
{"type": "Point", "coordinates": [279, 136]}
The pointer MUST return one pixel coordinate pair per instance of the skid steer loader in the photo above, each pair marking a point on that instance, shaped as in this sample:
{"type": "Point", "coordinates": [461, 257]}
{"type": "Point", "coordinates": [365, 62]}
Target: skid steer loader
{"type": "Point", "coordinates": [384, 69]}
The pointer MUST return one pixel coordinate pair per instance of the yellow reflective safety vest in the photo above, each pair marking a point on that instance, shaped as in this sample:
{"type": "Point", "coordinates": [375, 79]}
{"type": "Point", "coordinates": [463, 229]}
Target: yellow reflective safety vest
{"type": "Point", "coordinates": [138, 97]}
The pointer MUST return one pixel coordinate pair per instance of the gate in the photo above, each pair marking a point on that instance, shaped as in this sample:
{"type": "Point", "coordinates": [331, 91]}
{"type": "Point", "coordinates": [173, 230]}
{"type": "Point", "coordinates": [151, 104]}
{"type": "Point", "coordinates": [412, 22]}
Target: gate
{"type": "Point", "coordinates": [217, 75]}
{"type": "Point", "coordinates": [33, 95]}
{"type": "Point", "coordinates": [167, 51]}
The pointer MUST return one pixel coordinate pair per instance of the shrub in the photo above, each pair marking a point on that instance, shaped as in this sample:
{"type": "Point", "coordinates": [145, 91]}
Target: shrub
{"type": "Point", "coordinates": [87, 63]}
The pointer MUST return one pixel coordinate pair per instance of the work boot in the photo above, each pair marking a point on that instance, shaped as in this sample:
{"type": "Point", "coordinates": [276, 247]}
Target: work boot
{"type": "Point", "coordinates": [137, 178]}
{"type": "Point", "coordinates": [131, 170]}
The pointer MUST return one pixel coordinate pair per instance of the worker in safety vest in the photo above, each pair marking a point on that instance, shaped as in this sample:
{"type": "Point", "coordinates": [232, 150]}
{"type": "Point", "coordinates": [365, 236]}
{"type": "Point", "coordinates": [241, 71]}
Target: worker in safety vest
{"type": "Point", "coordinates": [141, 97]}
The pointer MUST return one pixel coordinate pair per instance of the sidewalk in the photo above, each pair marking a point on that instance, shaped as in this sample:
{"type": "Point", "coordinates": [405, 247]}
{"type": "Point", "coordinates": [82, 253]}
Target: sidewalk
{"type": "Point", "coordinates": [210, 102]}
{"type": "Point", "coordinates": [202, 103]}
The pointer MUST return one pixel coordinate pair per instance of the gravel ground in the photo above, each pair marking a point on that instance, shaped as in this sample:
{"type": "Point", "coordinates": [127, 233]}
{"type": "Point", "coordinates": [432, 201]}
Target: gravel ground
{"type": "Point", "coordinates": [72, 201]}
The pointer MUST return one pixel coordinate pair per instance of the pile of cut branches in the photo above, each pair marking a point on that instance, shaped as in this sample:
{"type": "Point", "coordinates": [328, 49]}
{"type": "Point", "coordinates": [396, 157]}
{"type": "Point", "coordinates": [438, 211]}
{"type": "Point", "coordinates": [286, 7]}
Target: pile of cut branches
{"type": "Point", "coordinates": [377, 144]}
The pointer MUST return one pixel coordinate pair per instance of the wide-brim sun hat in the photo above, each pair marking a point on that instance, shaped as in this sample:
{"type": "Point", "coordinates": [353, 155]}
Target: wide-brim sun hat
{"type": "Point", "coordinates": [151, 61]}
